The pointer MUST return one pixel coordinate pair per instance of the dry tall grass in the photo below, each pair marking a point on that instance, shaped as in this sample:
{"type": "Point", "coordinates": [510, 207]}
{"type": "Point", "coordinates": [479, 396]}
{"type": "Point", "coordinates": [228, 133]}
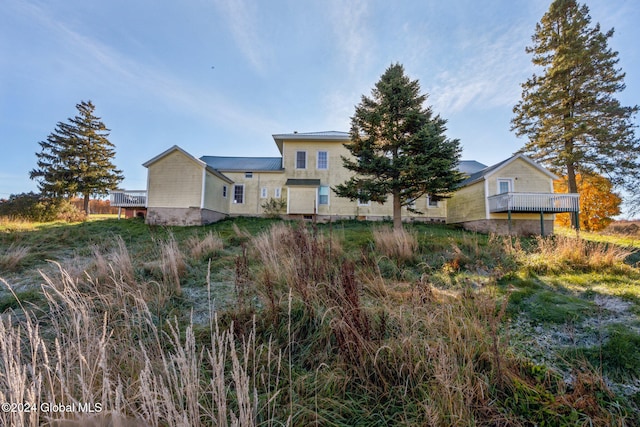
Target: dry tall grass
{"type": "Point", "coordinates": [12, 257]}
{"type": "Point", "coordinates": [400, 245]}
{"type": "Point", "coordinates": [559, 254]}
{"type": "Point", "coordinates": [173, 264]}
{"type": "Point", "coordinates": [208, 246]}
{"type": "Point", "coordinates": [102, 346]}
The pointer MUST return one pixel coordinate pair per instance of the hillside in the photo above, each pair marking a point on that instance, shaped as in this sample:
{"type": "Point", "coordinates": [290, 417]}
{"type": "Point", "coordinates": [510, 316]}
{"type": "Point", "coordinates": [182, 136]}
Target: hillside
{"type": "Point", "coordinates": [267, 322]}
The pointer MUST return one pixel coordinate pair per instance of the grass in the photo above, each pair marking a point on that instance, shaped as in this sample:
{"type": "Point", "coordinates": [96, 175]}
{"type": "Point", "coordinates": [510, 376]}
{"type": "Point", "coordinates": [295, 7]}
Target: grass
{"type": "Point", "coordinates": [269, 322]}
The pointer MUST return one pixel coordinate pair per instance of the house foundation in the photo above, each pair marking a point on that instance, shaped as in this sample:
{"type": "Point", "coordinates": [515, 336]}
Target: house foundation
{"type": "Point", "coordinates": [515, 227]}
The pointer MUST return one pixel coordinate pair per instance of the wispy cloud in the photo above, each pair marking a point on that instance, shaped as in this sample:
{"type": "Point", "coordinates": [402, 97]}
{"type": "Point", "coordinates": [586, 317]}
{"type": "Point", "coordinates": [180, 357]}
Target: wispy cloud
{"type": "Point", "coordinates": [120, 72]}
{"type": "Point", "coordinates": [488, 73]}
{"type": "Point", "coordinates": [355, 42]}
{"type": "Point", "coordinates": [242, 18]}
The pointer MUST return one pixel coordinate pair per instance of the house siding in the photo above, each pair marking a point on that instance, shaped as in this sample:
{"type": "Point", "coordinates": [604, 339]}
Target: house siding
{"type": "Point", "coordinates": [252, 186]}
{"type": "Point", "coordinates": [213, 198]}
{"type": "Point", "coordinates": [467, 204]}
{"type": "Point", "coordinates": [526, 178]}
{"type": "Point", "coordinates": [175, 181]}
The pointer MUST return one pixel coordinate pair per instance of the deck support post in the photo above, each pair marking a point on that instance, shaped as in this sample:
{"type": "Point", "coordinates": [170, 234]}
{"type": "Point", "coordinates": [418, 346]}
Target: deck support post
{"type": "Point", "coordinates": [119, 211]}
{"type": "Point", "coordinates": [542, 223]}
{"type": "Point", "coordinates": [509, 219]}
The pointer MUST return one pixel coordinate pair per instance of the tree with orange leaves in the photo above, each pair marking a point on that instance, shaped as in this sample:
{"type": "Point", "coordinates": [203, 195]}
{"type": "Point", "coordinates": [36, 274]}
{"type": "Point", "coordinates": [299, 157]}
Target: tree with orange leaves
{"type": "Point", "coordinates": [598, 203]}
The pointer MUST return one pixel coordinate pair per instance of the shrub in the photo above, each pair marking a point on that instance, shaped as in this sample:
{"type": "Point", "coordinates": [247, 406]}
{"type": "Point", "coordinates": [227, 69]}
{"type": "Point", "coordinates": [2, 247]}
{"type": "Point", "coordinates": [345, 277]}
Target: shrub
{"type": "Point", "coordinates": [37, 208]}
{"type": "Point", "coordinates": [273, 208]}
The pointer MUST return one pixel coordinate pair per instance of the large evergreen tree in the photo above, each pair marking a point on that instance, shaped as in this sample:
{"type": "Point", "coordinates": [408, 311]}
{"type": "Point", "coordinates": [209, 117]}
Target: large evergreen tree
{"type": "Point", "coordinates": [399, 147]}
{"type": "Point", "coordinates": [569, 112]}
{"type": "Point", "coordinates": [76, 159]}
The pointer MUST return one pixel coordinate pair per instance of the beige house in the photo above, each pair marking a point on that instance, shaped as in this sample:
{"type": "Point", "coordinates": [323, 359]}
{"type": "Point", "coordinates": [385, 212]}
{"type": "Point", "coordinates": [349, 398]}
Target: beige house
{"type": "Point", "coordinates": [513, 196]}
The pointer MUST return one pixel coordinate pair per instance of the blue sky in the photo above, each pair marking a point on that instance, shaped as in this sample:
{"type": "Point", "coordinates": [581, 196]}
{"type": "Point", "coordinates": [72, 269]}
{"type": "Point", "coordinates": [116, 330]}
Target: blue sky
{"type": "Point", "coordinates": [220, 77]}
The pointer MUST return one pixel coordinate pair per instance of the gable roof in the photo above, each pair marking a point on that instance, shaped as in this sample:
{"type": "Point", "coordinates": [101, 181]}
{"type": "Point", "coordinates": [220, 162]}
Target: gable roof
{"type": "Point", "coordinates": [328, 135]}
{"type": "Point", "coordinates": [190, 157]}
{"type": "Point", "coordinates": [243, 164]}
{"type": "Point", "coordinates": [486, 172]}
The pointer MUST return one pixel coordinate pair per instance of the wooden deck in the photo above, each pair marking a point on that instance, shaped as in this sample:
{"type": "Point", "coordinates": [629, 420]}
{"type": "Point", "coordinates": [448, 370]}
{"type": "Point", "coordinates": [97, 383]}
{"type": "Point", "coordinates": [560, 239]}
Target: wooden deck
{"type": "Point", "coordinates": [534, 203]}
{"type": "Point", "coordinates": [128, 198]}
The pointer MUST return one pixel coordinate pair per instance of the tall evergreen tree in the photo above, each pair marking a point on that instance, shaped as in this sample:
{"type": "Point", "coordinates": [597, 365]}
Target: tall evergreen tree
{"type": "Point", "coordinates": [398, 147]}
{"type": "Point", "coordinates": [76, 159]}
{"type": "Point", "coordinates": [569, 112]}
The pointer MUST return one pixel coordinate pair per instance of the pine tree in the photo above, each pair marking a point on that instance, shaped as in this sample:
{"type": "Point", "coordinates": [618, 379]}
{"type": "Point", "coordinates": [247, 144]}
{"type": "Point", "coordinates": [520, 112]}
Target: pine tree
{"type": "Point", "coordinates": [569, 113]}
{"type": "Point", "coordinates": [76, 159]}
{"type": "Point", "coordinates": [398, 147]}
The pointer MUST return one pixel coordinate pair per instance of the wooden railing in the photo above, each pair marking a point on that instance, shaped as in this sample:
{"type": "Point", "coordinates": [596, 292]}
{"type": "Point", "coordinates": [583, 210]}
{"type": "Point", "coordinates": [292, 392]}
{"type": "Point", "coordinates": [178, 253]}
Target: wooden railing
{"type": "Point", "coordinates": [128, 198]}
{"type": "Point", "coordinates": [534, 202]}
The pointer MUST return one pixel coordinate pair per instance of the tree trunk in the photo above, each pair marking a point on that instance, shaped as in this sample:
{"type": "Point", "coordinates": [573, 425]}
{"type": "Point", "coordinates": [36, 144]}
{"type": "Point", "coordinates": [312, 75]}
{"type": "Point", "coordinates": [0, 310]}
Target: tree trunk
{"type": "Point", "coordinates": [572, 185]}
{"type": "Point", "coordinates": [85, 205]}
{"type": "Point", "coordinates": [397, 211]}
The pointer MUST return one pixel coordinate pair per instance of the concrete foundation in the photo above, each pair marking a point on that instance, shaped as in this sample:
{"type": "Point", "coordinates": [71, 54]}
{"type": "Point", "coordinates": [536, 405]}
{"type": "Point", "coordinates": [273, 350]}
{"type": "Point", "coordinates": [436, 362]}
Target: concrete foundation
{"type": "Point", "coordinates": [182, 216]}
{"type": "Point", "coordinates": [519, 227]}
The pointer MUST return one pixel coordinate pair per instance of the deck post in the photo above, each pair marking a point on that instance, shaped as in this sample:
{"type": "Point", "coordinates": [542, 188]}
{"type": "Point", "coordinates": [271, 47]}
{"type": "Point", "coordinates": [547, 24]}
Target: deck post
{"type": "Point", "coordinates": [542, 222]}
{"type": "Point", "coordinates": [509, 219]}
{"type": "Point", "coordinates": [119, 211]}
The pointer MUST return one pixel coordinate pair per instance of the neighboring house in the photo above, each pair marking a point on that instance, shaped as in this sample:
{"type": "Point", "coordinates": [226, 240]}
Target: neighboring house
{"type": "Point", "coordinates": [184, 190]}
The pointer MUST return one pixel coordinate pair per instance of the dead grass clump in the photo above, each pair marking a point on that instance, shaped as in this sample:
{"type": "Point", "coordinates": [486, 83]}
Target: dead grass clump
{"type": "Point", "coordinates": [173, 265]}
{"type": "Point", "coordinates": [400, 245]}
{"type": "Point", "coordinates": [562, 253]}
{"type": "Point", "coordinates": [297, 258]}
{"type": "Point", "coordinates": [207, 247]}
{"type": "Point", "coordinates": [11, 258]}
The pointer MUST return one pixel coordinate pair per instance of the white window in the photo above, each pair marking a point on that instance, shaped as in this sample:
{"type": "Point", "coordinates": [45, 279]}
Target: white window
{"type": "Point", "coordinates": [432, 201]}
{"type": "Point", "coordinates": [277, 193]}
{"type": "Point", "coordinates": [505, 185]}
{"type": "Point", "coordinates": [301, 159]}
{"type": "Point", "coordinates": [363, 203]}
{"type": "Point", "coordinates": [238, 193]}
{"type": "Point", "coordinates": [323, 195]}
{"type": "Point", "coordinates": [323, 160]}
{"type": "Point", "coordinates": [224, 191]}
{"type": "Point", "coordinates": [263, 193]}
{"type": "Point", "coordinates": [248, 174]}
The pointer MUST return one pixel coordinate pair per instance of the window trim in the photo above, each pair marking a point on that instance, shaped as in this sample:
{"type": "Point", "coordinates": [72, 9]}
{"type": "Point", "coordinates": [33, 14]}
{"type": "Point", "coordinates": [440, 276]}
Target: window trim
{"type": "Point", "coordinates": [509, 182]}
{"type": "Point", "coordinates": [248, 175]}
{"type": "Point", "coordinates": [277, 192]}
{"type": "Point", "coordinates": [430, 199]}
{"type": "Point", "coordinates": [327, 195]}
{"type": "Point", "coordinates": [224, 191]}
{"type": "Point", "coordinates": [305, 159]}
{"type": "Point", "coordinates": [235, 200]}
{"type": "Point", "coordinates": [326, 160]}
{"type": "Point", "coordinates": [264, 192]}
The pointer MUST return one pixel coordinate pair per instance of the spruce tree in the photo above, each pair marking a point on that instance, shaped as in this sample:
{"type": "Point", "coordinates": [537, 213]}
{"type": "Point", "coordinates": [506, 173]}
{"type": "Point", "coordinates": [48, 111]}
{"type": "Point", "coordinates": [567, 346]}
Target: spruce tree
{"type": "Point", "coordinates": [569, 113]}
{"type": "Point", "coordinates": [399, 147]}
{"type": "Point", "coordinates": [76, 159]}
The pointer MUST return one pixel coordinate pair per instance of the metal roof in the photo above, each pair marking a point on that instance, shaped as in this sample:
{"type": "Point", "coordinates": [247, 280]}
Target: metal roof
{"type": "Point", "coordinates": [243, 164]}
{"type": "Point", "coordinates": [327, 134]}
{"type": "Point", "coordinates": [469, 167]}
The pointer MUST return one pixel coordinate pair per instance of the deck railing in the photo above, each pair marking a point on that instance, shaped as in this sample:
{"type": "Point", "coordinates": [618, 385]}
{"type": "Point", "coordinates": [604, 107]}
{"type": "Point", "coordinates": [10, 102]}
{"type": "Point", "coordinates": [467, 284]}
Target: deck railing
{"type": "Point", "coordinates": [534, 202]}
{"type": "Point", "coordinates": [128, 198]}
